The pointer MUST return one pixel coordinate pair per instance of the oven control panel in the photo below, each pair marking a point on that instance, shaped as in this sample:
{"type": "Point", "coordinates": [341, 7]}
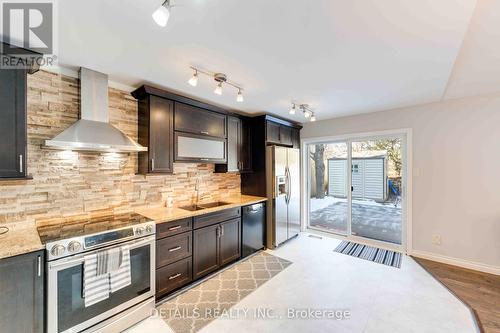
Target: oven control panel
{"type": "Point", "coordinates": [67, 247]}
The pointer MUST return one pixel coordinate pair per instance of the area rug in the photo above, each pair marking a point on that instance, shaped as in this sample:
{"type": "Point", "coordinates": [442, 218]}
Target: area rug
{"type": "Point", "coordinates": [197, 307]}
{"type": "Point", "coordinates": [386, 257]}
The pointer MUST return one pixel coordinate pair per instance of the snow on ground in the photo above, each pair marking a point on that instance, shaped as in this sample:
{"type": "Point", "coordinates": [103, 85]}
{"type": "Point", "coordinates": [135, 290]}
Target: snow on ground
{"type": "Point", "coordinates": [317, 204]}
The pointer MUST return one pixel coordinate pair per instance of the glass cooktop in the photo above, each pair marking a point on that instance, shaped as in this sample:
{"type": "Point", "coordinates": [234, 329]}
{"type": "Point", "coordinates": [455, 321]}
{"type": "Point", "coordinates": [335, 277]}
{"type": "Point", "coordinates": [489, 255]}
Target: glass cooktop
{"type": "Point", "coordinates": [82, 227]}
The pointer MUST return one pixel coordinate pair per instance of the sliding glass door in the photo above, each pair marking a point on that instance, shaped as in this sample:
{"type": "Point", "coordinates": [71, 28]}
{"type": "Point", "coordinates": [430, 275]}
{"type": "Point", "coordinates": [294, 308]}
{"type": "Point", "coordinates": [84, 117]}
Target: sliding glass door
{"type": "Point", "coordinates": [328, 197]}
{"type": "Point", "coordinates": [355, 188]}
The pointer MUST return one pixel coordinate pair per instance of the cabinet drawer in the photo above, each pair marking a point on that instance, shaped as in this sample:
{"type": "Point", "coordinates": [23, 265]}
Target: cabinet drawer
{"type": "Point", "coordinates": [199, 121]}
{"type": "Point", "coordinates": [171, 249]}
{"type": "Point", "coordinates": [173, 276]}
{"type": "Point", "coordinates": [173, 228]}
{"type": "Point", "coordinates": [216, 217]}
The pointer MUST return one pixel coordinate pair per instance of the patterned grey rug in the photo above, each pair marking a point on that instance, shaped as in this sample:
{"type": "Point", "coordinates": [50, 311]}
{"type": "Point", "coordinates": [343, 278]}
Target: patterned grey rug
{"type": "Point", "coordinates": [197, 307]}
{"type": "Point", "coordinates": [386, 257]}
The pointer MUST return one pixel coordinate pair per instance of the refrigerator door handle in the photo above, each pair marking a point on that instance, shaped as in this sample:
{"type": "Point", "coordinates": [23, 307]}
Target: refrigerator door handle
{"type": "Point", "coordinates": [287, 182]}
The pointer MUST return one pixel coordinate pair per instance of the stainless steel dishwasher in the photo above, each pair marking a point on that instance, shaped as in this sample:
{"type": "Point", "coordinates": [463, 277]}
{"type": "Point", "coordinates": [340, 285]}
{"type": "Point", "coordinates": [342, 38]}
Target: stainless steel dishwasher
{"type": "Point", "coordinates": [254, 220]}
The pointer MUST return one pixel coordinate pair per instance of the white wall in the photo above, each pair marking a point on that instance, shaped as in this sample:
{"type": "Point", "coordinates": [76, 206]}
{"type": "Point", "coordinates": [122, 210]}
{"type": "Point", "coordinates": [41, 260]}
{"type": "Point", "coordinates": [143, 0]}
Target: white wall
{"type": "Point", "coordinates": [456, 172]}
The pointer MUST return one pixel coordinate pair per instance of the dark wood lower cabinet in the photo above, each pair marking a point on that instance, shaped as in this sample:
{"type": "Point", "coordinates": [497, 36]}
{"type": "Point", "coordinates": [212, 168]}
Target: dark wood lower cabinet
{"type": "Point", "coordinates": [173, 276]}
{"type": "Point", "coordinates": [193, 254]}
{"type": "Point", "coordinates": [22, 293]}
{"type": "Point", "coordinates": [205, 250]}
{"type": "Point", "coordinates": [215, 246]}
{"type": "Point", "coordinates": [230, 239]}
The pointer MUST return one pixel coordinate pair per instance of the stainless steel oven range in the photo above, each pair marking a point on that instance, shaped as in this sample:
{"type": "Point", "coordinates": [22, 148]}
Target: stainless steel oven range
{"type": "Point", "coordinates": [68, 243]}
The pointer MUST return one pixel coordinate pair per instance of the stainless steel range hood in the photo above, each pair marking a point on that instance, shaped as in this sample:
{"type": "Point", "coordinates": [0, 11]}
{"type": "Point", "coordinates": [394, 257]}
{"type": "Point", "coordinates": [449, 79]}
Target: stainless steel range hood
{"type": "Point", "coordinates": [93, 132]}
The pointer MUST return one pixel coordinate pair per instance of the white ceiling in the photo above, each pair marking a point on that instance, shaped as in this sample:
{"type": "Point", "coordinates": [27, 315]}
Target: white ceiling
{"type": "Point", "coordinates": [342, 57]}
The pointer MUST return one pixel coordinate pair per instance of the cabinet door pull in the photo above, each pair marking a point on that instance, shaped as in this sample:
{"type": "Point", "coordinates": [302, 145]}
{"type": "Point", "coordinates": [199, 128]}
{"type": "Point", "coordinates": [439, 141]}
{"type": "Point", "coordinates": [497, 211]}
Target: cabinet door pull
{"type": "Point", "coordinates": [205, 132]}
{"type": "Point", "coordinates": [174, 276]}
{"type": "Point", "coordinates": [177, 248]}
{"type": "Point", "coordinates": [152, 164]}
{"type": "Point", "coordinates": [39, 266]}
{"type": "Point", "coordinates": [21, 163]}
{"type": "Point", "coordinates": [177, 227]}
{"type": "Point", "coordinates": [222, 230]}
{"type": "Point", "coordinates": [204, 159]}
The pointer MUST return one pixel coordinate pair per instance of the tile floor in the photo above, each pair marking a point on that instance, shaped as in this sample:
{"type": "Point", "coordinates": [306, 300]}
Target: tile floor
{"type": "Point", "coordinates": [378, 298]}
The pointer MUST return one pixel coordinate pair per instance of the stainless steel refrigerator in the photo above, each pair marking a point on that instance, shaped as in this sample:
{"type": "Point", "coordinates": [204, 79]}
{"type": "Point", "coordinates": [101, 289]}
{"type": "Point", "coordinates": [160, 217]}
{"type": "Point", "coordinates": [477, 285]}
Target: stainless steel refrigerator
{"type": "Point", "coordinates": [283, 192]}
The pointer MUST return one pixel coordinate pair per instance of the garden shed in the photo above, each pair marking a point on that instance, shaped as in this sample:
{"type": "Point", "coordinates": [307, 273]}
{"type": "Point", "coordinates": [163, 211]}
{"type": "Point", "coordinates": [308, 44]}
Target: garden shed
{"type": "Point", "coordinates": [369, 176]}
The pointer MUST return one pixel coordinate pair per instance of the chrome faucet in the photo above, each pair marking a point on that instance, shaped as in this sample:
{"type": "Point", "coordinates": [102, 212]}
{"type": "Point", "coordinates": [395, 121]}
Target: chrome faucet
{"type": "Point", "coordinates": [197, 189]}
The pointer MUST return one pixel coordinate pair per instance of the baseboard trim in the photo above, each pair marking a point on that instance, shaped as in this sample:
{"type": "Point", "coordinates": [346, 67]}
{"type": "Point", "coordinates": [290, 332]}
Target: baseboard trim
{"type": "Point", "coordinates": [457, 262]}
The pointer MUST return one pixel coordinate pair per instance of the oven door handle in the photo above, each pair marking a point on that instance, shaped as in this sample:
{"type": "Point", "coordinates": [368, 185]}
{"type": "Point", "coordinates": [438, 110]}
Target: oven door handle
{"type": "Point", "coordinates": [79, 258]}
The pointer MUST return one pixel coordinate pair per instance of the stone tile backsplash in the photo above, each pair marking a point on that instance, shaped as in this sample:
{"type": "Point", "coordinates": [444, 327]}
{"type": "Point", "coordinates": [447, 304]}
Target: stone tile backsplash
{"type": "Point", "coordinates": [69, 183]}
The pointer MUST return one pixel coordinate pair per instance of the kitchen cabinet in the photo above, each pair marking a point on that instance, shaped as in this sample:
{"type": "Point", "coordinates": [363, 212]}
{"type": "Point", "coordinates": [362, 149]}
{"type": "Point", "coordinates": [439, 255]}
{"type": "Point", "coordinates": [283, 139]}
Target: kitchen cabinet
{"type": "Point", "coordinates": [173, 276]}
{"type": "Point", "coordinates": [239, 146]}
{"type": "Point", "coordinates": [206, 250]}
{"type": "Point", "coordinates": [280, 134]}
{"type": "Point", "coordinates": [272, 132]}
{"type": "Point", "coordinates": [216, 240]}
{"type": "Point", "coordinates": [174, 255]}
{"type": "Point", "coordinates": [285, 135]}
{"type": "Point", "coordinates": [199, 148]}
{"type": "Point", "coordinates": [229, 241]}
{"type": "Point", "coordinates": [13, 137]}
{"type": "Point", "coordinates": [156, 131]}
{"type": "Point", "coordinates": [296, 138]}
{"type": "Point", "coordinates": [22, 293]}
{"type": "Point", "coordinates": [196, 120]}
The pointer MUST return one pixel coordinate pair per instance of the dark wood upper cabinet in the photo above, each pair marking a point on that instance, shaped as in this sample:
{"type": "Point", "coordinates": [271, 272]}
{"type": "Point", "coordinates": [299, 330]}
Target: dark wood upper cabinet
{"type": "Point", "coordinates": [13, 133]}
{"type": "Point", "coordinates": [22, 293]}
{"type": "Point", "coordinates": [246, 146]}
{"type": "Point", "coordinates": [296, 138]}
{"type": "Point", "coordinates": [156, 131]}
{"type": "Point", "coordinates": [239, 146]}
{"type": "Point", "coordinates": [233, 143]}
{"type": "Point", "coordinates": [195, 120]}
{"type": "Point", "coordinates": [282, 134]}
{"type": "Point", "coordinates": [286, 135]}
{"type": "Point", "coordinates": [230, 241]}
{"type": "Point", "coordinates": [272, 132]}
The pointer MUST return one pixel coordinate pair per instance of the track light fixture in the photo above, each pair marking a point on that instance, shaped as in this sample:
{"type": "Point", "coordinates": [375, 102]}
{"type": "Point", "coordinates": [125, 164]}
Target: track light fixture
{"type": "Point", "coordinates": [239, 97]}
{"type": "Point", "coordinates": [194, 79]}
{"type": "Point", "coordinates": [162, 14]}
{"type": "Point", "coordinates": [220, 79]}
{"type": "Point", "coordinates": [306, 111]}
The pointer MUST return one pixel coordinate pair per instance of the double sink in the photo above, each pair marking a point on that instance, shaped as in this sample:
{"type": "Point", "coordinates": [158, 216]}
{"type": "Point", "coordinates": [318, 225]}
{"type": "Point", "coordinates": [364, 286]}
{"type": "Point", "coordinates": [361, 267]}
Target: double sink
{"type": "Point", "coordinates": [193, 208]}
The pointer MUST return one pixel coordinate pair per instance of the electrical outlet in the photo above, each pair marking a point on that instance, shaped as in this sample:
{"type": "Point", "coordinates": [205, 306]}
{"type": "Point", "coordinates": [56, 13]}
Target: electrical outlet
{"type": "Point", "coordinates": [436, 239]}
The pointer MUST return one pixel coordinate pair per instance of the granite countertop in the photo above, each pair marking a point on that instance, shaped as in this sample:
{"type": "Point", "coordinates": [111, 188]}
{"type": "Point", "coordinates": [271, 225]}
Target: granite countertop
{"type": "Point", "coordinates": [21, 238]}
{"type": "Point", "coordinates": [164, 214]}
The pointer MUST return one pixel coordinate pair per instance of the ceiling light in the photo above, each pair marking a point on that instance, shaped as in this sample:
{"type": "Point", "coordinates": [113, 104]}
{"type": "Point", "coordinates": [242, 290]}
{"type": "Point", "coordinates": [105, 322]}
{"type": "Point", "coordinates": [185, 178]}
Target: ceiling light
{"type": "Point", "coordinates": [292, 110]}
{"type": "Point", "coordinates": [194, 79]}
{"type": "Point", "coordinates": [162, 14]}
{"type": "Point", "coordinates": [307, 113]}
{"type": "Point", "coordinates": [313, 117]}
{"type": "Point", "coordinates": [218, 89]}
{"type": "Point", "coordinates": [239, 97]}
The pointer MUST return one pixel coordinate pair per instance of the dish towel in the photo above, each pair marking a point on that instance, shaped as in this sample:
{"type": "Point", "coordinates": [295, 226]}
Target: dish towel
{"type": "Point", "coordinates": [95, 286]}
{"type": "Point", "coordinates": [121, 277]}
{"type": "Point", "coordinates": [105, 272]}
